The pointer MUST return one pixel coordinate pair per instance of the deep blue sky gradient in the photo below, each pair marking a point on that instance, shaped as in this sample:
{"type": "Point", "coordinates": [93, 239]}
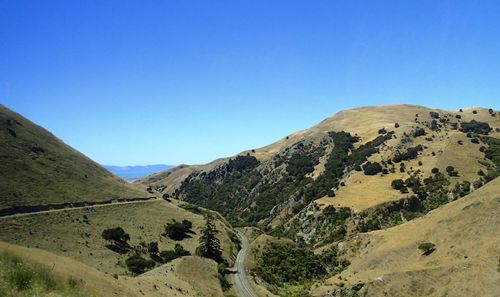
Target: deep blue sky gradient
{"type": "Point", "coordinates": [147, 82]}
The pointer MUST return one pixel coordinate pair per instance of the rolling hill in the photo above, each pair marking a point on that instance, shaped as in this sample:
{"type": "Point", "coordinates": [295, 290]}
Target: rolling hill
{"type": "Point", "coordinates": [465, 260]}
{"type": "Point", "coordinates": [347, 161]}
{"type": "Point", "coordinates": [36, 168]}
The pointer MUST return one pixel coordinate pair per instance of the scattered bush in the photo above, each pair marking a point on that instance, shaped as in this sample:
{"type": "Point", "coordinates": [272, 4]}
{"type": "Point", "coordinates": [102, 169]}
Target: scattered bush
{"type": "Point", "coordinates": [137, 264]}
{"type": "Point", "coordinates": [177, 252]}
{"type": "Point", "coordinates": [451, 171]}
{"type": "Point", "coordinates": [372, 168]}
{"type": "Point", "coordinates": [191, 207]}
{"type": "Point", "coordinates": [419, 132]}
{"type": "Point", "coordinates": [153, 249]}
{"type": "Point", "coordinates": [411, 153]}
{"type": "Point", "coordinates": [427, 248]}
{"type": "Point", "coordinates": [475, 127]}
{"type": "Point", "coordinates": [118, 239]}
{"type": "Point", "coordinates": [178, 231]}
{"type": "Point", "coordinates": [434, 115]}
{"type": "Point", "coordinates": [435, 170]}
{"type": "Point", "coordinates": [397, 184]}
{"type": "Point", "coordinates": [382, 131]}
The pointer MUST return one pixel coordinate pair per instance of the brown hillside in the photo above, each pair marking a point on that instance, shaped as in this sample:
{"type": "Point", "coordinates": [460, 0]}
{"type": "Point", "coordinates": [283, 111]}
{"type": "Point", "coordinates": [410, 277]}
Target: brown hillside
{"type": "Point", "coordinates": [466, 261]}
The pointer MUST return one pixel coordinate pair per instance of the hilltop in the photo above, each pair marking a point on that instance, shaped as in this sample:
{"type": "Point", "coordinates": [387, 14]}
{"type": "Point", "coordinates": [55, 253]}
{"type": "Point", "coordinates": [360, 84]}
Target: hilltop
{"type": "Point", "coordinates": [37, 168]}
{"type": "Point", "coordinates": [328, 163]}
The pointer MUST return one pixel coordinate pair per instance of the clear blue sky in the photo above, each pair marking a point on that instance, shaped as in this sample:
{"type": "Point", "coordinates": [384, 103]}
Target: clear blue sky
{"type": "Point", "coordinates": [142, 82]}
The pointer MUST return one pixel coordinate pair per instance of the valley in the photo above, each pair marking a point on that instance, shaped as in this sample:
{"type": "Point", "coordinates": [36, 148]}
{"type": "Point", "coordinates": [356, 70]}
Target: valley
{"type": "Point", "coordinates": [396, 200]}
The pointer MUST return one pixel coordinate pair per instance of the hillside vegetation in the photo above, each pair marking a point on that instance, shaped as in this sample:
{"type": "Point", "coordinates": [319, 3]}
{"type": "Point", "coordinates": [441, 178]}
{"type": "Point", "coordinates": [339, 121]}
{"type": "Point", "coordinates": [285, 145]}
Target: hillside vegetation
{"type": "Point", "coordinates": [349, 161]}
{"type": "Point", "coordinates": [36, 168]}
{"type": "Point", "coordinates": [463, 261]}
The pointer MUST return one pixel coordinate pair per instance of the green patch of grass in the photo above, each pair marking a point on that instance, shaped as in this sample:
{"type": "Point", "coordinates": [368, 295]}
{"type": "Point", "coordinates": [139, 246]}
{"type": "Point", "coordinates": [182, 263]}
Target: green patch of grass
{"type": "Point", "coordinates": [18, 278]}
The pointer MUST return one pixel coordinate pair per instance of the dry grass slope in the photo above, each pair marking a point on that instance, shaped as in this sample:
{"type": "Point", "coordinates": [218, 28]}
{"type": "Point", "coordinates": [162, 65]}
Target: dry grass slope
{"type": "Point", "coordinates": [67, 234]}
{"type": "Point", "coordinates": [466, 261]}
{"type": "Point", "coordinates": [37, 168]}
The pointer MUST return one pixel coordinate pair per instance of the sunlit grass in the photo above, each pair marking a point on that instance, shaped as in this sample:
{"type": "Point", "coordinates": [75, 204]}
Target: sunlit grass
{"type": "Point", "coordinates": [19, 279]}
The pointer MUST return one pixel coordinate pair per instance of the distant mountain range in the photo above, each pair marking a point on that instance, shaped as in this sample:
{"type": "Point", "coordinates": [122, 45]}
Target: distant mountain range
{"type": "Point", "coordinates": [131, 173]}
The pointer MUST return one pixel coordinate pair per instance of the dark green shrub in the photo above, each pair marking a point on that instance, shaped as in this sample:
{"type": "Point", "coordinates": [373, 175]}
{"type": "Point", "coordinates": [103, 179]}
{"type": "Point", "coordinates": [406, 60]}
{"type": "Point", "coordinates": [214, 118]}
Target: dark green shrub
{"type": "Point", "coordinates": [372, 168]}
{"type": "Point", "coordinates": [451, 171]}
{"type": "Point", "coordinates": [434, 115]}
{"type": "Point", "coordinates": [137, 264]}
{"type": "Point", "coordinates": [289, 263]}
{"type": "Point", "coordinates": [300, 164]}
{"type": "Point", "coordinates": [419, 132]}
{"type": "Point", "coordinates": [397, 184]}
{"type": "Point", "coordinates": [427, 248]}
{"type": "Point", "coordinates": [475, 127]}
{"type": "Point", "coordinates": [153, 248]}
{"type": "Point", "coordinates": [118, 239]}
{"type": "Point", "coordinates": [411, 153]}
{"type": "Point", "coordinates": [191, 207]}
{"type": "Point", "coordinates": [178, 231]}
{"type": "Point", "coordinates": [435, 170]}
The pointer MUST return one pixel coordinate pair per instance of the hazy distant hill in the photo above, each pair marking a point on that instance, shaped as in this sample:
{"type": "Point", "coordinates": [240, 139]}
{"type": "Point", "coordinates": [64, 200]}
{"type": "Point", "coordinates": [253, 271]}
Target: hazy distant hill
{"type": "Point", "coordinates": [131, 173]}
{"type": "Point", "coordinates": [38, 168]}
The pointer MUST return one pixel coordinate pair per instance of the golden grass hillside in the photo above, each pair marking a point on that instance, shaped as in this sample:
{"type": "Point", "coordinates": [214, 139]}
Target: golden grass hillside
{"type": "Point", "coordinates": [444, 145]}
{"type": "Point", "coordinates": [36, 168]}
{"type": "Point", "coordinates": [466, 260]}
{"type": "Point", "coordinates": [184, 277]}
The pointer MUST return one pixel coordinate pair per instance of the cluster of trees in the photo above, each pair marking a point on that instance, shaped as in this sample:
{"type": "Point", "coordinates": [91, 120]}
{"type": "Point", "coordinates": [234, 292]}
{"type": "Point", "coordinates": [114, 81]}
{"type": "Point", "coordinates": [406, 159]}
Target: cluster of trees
{"type": "Point", "coordinates": [301, 164]}
{"type": "Point", "coordinates": [117, 240]}
{"type": "Point", "coordinates": [240, 186]}
{"type": "Point", "coordinates": [177, 252]}
{"type": "Point", "coordinates": [178, 230]}
{"type": "Point", "coordinates": [475, 127]}
{"type": "Point", "coordinates": [419, 132]}
{"type": "Point", "coordinates": [289, 263]}
{"type": "Point", "coordinates": [137, 262]}
{"type": "Point", "coordinates": [370, 168]}
{"type": "Point", "coordinates": [409, 154]}
{"type": "Point", "coordinates": [451, 171]}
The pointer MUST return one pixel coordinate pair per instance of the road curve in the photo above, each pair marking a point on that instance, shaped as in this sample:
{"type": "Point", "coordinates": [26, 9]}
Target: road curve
{"type": "Point", "coordinates": [241, 284]}
{"type": "Point", "coordinates": [74, 208]}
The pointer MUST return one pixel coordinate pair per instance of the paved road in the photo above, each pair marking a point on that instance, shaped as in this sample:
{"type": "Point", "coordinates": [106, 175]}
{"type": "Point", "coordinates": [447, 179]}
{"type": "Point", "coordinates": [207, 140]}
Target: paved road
{"type": "Point", "coordinates": [76, 207]}
{"type": "Point", "coordinates": [241, 284]}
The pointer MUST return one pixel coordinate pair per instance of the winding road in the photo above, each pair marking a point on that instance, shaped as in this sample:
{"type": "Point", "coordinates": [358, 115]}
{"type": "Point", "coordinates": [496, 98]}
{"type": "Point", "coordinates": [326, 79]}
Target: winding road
{"type": "Point", "coordinates": [76, 207]}
{"type": "Point", "coordinates": [241, 284]}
